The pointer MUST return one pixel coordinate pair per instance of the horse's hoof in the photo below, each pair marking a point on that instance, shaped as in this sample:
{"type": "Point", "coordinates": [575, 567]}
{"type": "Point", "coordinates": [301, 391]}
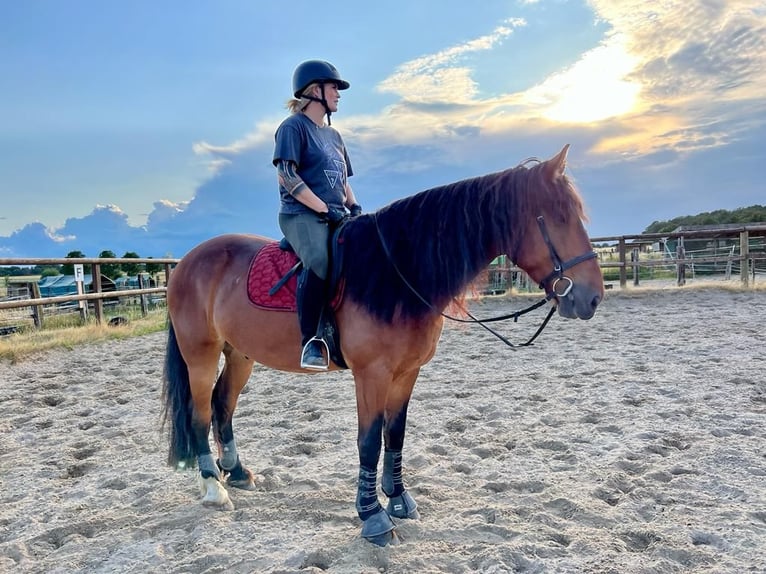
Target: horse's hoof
{"type": "Point", "coordinates": [214, 494]}
{"type": "Point", "coordinates": [385, 539]}
{"type": "Point", "coordinates": [228, 505]}
{"type": "Point", "coordinates": [379, 529]}
{"type": "Point", "coordinates": [403, 506]}
{"type": "Point", "coordinates": [245, 484]}
{"type": "Point", "coordinates": [239, 476]}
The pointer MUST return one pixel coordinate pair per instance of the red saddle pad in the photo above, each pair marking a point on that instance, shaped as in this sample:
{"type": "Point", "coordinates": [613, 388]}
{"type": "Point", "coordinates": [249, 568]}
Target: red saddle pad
{"type": "Point", "coordinates": [268, 266]}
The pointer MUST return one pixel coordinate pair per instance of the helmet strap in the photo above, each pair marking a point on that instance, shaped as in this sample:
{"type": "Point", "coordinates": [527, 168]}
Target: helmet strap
{"type": "Point", "coordinates": [323, 101]}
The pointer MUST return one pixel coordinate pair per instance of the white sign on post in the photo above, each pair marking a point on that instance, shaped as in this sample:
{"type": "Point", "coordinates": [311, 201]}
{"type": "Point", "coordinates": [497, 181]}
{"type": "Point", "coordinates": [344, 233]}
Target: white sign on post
{"type": "Point", "coordinates": [79, 278]}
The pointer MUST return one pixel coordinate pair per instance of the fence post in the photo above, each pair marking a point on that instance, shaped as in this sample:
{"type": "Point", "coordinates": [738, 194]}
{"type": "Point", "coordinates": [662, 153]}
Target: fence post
{"type": "Point", "coordinates": [623, 270]}
{"type": "Point", "coordinates": [37, 310]}
{"type": "Point", "coordinates": [144, 309]}
{"type": "Point", "coordinates": [79, 279]}
{"type": "Point", "coordinates": [634, 260]}
{"type": "Point", "coordinates": [168, 270]}
{"type": "Point", "coordinates": [98, 304]}
{"type": "Point", "coordinates": [744, 253]}
{"type": "Point", "coordinates": [680, 265]}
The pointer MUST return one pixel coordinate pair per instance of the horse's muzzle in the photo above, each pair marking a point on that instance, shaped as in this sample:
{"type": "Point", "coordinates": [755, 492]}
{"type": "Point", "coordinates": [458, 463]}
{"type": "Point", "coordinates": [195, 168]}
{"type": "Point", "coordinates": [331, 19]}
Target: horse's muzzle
{"type": "Point", "coordinates": [580, 302]}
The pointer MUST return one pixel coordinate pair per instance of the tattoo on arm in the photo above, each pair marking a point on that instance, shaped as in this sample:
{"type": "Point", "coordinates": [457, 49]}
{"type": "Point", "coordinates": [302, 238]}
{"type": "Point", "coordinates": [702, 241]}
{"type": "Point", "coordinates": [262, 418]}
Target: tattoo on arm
{"type": "Point", "coordinates": [289, 178]}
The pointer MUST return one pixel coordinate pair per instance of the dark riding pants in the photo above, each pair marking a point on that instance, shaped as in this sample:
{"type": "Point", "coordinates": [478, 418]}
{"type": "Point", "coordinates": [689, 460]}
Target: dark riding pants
{"type": "Point", "coordinates": [308, 236]}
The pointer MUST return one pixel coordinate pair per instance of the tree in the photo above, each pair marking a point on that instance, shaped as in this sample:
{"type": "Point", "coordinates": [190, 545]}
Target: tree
{"type": "Point", "coordinates": [111, 270]}
{"type": "Point", "coordinates": [131, 269]}
{"type": "Point", "coordinates": [743, 216]}
{"type": "Point", "coordinates": [153, 268]}
{"type": "Point", "coordinates": [68, 268]}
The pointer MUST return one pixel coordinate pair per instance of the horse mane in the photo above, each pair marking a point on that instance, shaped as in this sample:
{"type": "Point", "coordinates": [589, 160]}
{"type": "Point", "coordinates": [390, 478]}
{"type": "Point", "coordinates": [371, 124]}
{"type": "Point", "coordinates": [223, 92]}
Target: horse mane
{"type": "Point", "coordinates": [440, 239]}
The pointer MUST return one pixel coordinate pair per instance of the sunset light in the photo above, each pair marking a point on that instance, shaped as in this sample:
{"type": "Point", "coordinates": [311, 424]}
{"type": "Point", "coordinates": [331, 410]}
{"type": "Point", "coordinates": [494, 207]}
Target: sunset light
{"type": "Point", "coordinates": [594, 89]}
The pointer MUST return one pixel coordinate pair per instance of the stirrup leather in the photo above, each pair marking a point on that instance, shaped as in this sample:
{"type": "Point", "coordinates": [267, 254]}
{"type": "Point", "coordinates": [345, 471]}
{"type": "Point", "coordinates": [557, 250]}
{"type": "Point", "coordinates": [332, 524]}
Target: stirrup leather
{"type": "Point", "coordinates": [325, 355]}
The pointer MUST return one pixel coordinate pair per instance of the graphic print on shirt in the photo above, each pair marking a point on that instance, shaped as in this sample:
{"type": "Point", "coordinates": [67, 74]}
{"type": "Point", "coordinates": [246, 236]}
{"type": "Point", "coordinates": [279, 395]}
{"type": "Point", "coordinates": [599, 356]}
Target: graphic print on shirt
{"type": "Point", "coordinates": [335, 175]}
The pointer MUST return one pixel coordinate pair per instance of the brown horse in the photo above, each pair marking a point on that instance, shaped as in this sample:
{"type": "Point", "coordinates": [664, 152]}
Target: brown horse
{"type": "Point", "coordinates": [403, 266]}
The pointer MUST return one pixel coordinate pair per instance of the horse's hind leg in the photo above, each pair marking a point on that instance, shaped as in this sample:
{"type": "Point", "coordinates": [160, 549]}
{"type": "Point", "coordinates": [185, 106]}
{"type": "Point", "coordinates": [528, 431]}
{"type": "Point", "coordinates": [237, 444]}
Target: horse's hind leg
{"type": "Point", "coordinates": [202, 371]}
{"type": "Point", "coordinates": [187, 390]}
{"type": "Point", "coordinates": [230, 383]}
{"type": "Point", "coordinates": [400, 503]}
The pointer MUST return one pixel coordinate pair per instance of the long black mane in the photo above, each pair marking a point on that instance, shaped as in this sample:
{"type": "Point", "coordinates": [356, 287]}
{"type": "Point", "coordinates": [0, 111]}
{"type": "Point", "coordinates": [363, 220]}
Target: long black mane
{"type": "Point", "coordinates": [441, 238]}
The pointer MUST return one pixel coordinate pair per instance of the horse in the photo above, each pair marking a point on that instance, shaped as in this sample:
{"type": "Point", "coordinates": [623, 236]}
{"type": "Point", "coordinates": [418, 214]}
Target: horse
{"type": "Point", "coordinates": [403, 266]}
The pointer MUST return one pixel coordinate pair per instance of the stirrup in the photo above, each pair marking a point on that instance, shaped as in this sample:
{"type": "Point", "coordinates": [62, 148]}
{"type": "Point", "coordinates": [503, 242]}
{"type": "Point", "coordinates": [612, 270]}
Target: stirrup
{"type": "Point", "coordinates": [325, 362]}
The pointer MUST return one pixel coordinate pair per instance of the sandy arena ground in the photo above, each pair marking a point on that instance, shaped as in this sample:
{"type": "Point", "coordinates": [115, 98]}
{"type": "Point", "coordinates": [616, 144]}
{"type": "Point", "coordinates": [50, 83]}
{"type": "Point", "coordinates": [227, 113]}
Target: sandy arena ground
{"type": "Point", "coordinates": [635, 442]}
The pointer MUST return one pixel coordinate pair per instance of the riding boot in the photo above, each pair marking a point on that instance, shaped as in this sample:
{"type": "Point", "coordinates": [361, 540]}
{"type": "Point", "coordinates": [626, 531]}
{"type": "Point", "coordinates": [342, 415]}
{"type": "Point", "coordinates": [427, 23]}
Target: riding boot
{"type": "Point", "coordinates": [311, 299]}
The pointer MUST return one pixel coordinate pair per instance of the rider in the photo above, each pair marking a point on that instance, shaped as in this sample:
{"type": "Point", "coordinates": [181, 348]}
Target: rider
{"type": "Point", "coordinates": [313, 170]}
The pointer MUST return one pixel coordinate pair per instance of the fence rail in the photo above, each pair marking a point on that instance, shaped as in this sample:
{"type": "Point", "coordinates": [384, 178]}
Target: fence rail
{"type": "Point", "coordinates": [745, 260]}
{"type": "Point", "coordinates": [741, 237]}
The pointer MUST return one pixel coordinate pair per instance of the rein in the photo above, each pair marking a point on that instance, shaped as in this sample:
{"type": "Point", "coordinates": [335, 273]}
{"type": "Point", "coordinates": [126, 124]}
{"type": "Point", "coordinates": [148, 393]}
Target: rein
{"type": "Point", "coordinates": [558, 271]}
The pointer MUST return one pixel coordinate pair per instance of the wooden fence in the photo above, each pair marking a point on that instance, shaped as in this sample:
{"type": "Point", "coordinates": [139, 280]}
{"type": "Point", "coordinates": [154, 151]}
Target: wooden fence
{"type": "Point", "coordinates": [748, 262]}
{"type": "Point", "coordinates": [97, 296]}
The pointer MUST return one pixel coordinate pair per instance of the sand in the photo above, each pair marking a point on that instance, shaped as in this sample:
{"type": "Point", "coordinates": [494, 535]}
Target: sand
{"type": "Point", "coordinates": [634, 442]}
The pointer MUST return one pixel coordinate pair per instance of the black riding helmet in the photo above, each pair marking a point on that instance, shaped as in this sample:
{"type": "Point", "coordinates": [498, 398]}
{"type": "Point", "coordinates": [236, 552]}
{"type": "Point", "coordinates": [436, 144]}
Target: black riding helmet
{"type": "Point", "coordinates": [317, 71]}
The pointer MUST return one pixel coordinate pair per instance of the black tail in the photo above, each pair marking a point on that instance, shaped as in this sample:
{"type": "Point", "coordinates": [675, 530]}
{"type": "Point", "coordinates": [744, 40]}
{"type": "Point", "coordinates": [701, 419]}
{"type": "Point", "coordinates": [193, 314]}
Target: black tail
{"type": "Point", "coordinates": [177, 405]}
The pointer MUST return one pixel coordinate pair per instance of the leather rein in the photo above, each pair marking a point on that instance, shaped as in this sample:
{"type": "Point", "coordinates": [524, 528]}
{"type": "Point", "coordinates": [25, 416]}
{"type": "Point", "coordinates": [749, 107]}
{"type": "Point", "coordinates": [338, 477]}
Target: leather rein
{"type": "Point", "coordinates": [549, 283]}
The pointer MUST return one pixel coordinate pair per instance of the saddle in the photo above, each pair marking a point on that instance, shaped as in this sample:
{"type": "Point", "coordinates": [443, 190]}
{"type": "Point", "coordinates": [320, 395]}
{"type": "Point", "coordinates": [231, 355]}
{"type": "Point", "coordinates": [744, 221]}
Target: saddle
{"type": "Point", "coordinates": [272, 283]}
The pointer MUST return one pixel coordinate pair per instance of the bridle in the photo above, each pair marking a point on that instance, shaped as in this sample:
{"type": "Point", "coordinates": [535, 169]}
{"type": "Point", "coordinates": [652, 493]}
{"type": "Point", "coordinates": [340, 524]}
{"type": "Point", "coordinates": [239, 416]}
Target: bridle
{"type": "Point", "coordinates": [549, 284]}
{"type": "Point", "coordinates": [559, 267]}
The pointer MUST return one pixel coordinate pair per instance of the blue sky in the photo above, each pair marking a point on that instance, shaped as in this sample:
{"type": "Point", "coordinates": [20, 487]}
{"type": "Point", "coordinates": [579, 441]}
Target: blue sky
{"type": "Point", "coordinates": [148, 126]}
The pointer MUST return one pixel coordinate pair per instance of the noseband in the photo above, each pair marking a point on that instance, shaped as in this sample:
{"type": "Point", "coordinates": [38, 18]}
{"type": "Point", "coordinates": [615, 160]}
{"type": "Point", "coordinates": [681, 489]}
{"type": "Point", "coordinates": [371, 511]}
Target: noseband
{"type": "Point", "coordinates": [557, 275]}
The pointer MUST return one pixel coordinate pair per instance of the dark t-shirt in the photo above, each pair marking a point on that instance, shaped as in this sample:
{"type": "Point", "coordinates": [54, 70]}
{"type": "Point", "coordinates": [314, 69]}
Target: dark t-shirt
{"type": "Point", "coordinates": [320, 154]}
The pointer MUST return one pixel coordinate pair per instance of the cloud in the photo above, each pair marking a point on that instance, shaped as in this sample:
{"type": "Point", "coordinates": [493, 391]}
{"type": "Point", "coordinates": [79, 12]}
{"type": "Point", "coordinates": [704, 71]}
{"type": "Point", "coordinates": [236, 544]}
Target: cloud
{"type": "Point", "coordinates": [437, 78]}
{"type": "Point", "coordinates": [593, 89]}
{"type": "Point", "coordinates": [701, 68]}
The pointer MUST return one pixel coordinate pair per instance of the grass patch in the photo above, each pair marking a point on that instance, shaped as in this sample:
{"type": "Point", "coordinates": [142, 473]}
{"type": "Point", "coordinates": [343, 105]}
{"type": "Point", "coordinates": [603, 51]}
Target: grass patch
{"type": "Point", "coordinates": [68, 333]}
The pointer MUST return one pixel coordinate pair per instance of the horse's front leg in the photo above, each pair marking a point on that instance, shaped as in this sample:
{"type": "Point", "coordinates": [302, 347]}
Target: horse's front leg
{"type": "Point", "coordinates": [377, 526]}
{"type": "Point", "coordinates": [230, 383]}
{"type": "Point", "coordinates": [400, 503]}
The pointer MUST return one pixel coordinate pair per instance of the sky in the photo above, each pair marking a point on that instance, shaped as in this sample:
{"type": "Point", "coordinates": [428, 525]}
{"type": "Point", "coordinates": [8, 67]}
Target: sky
{"type": "Point", "coordinates": [148, 126]}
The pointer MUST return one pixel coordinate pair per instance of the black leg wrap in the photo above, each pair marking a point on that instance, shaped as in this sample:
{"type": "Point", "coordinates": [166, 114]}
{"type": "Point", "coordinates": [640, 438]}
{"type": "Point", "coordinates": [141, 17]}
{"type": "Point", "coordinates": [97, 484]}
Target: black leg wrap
{"type": "Point", "coordinates": [207, 467]}
{"type": "Point", "coordinates": [391, 482]}
{"type": "Point", "coordinates": [367, 495]}
{"type": "Point", "coordinates": [400, 503]}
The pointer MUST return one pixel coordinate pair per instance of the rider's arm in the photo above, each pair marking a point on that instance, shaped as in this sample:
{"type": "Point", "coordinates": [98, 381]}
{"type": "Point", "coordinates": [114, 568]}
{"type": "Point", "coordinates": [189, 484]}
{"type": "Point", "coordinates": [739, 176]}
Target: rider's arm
{"type": "Point", "coordinates": [350, 197]}
{"type": "Point", "coordinates": [294, 184]}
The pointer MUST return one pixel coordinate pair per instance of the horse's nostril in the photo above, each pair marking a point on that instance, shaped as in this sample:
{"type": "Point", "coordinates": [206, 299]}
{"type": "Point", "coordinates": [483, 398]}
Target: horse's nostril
{"type": "Point", "coordinates": [596, 301]}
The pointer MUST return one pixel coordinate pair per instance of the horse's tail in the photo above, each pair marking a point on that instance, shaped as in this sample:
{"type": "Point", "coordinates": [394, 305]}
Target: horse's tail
{"type": "Point", "coordinates": [177, 403]}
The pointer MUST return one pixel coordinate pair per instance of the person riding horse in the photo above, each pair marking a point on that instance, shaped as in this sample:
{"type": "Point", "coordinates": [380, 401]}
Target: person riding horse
{"type": "Point", "coordinates": [313, 170]}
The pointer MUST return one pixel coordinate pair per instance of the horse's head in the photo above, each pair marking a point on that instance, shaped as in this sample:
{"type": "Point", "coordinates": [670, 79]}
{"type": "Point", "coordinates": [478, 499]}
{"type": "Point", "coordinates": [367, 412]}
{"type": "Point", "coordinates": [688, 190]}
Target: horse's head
{"type": "Point", "coordinates": [552, 245]}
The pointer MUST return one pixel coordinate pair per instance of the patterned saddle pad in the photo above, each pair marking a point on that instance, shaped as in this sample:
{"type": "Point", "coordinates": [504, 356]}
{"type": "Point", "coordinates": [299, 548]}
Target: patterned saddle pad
{"type": "Point", "coordinates": [268, 266]}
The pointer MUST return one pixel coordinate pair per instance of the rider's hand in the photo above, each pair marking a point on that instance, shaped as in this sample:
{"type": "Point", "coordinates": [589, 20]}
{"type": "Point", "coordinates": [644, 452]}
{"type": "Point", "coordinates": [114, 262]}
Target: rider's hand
{"type": "Point", "coordinates": [355, 209]}
{"type": "Point", "coordinates": [334, 215]}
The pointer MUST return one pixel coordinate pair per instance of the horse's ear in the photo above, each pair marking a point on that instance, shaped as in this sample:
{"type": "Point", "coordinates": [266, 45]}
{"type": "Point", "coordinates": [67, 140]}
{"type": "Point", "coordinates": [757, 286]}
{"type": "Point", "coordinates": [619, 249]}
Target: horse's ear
{"type": "Point", "coordinates": [557, 164]}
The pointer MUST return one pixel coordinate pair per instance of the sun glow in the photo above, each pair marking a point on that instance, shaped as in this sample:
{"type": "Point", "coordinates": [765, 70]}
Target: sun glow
{"type": "Point", "coordinates": [593, 89]}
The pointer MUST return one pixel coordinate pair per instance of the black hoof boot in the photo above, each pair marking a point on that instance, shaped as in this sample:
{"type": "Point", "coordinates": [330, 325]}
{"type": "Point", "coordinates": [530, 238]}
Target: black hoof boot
{"type": "Point", "coordinates": [403, 506]}
{"type": "Point", "coordinates": [379, 529]}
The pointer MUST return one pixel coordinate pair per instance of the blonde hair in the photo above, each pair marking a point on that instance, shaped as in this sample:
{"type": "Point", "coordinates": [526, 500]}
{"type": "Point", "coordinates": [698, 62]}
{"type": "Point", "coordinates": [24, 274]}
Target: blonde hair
{"type": "Point", "coordinates": [296, 105]}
